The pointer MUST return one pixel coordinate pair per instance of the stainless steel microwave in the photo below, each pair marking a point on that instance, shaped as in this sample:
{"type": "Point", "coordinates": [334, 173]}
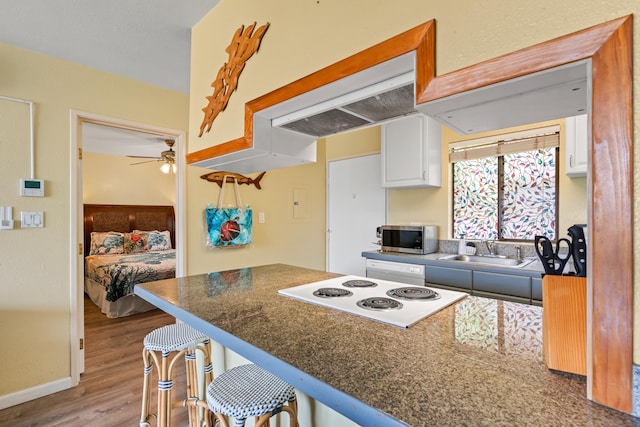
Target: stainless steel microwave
{"type": "Point", "coordinates": [410, 239]}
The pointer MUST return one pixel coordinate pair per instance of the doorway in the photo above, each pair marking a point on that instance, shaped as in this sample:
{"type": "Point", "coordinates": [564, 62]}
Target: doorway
{"type": "Point", "coordinates": [356, 205]}
{"type": "Point", "coordinates": [78, 122]}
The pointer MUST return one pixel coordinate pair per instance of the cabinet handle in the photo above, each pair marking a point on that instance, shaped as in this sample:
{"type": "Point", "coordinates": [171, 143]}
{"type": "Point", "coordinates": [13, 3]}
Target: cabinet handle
{"type": "Point", "coordinates": [571, 160]}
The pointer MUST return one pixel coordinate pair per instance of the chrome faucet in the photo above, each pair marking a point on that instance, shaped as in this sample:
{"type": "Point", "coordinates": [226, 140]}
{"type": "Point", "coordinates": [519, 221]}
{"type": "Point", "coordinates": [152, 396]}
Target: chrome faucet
{"type": "Point", "coordinates": [491, 246]}
{"type": "Point", "coordinates": [518, 253]}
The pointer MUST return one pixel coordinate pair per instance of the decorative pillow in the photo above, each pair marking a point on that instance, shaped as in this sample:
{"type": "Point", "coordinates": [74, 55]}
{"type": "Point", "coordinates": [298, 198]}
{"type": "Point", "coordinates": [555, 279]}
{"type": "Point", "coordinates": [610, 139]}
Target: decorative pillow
{"type": "Point", "coordinates": [157, 240]}
{"type": "Point", "coordinates": [106, 242]}
{"type": "Point", "coordinates": [136, 242]}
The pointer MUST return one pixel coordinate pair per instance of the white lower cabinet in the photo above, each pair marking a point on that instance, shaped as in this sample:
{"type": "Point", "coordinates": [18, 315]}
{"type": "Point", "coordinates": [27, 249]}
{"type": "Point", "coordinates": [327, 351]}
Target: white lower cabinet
{"type": "Point", "coordinates": [411, 152]}
{"type": "Point", "coordinates": [577, 145]}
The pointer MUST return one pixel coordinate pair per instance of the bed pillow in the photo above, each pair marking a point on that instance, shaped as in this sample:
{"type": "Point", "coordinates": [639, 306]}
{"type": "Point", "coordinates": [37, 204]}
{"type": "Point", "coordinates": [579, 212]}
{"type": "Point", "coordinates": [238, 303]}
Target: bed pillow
{"type": "Point", "coordinates": [157, 240]}
{"type": "Point", "coordinates": [106, 242]}
{"type": "Point", "coordinates": [136, 242]}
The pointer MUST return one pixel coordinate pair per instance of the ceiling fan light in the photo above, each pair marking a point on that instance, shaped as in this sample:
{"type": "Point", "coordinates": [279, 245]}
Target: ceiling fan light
{"type": "Point", "coordinates": [165, 168]}
{"type": "Point", "coordinates": [174, 168]}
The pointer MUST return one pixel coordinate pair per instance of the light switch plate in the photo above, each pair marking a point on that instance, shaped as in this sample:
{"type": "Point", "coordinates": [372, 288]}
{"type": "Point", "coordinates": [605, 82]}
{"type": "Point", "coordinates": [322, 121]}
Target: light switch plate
{"type": "Point", "coordinates": [31, 219]}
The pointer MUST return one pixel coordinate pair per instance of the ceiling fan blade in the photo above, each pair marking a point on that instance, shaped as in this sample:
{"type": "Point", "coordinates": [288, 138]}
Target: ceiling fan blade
{"type": "Point", "coordinates": [147, 161]}
{"type": "Point", "coordinates": [145, 157]}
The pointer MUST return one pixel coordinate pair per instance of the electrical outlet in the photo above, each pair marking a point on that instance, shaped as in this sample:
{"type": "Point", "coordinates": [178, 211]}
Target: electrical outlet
{"type": "Point", "coordinates": [261, 217]}
{"type": "Point", "coordinates": [6, 217]}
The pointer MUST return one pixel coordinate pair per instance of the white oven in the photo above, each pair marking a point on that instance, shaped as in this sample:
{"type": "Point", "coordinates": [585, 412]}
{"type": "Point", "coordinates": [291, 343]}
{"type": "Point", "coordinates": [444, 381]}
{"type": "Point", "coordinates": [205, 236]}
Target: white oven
{"type": "Point", "coordinates": [412, 274]}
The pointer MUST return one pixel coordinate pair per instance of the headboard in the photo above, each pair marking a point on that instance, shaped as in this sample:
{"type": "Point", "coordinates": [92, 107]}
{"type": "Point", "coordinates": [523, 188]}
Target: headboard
{"type": "Point", "coordinates": [126, 218]}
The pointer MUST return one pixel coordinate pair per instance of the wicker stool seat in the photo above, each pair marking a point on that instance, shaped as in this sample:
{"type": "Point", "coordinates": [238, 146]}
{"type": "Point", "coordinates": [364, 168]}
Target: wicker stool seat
{"type": "Point", "coordinates": [250, 391]}
{"type": "Point", "coordinates": [159, 344]}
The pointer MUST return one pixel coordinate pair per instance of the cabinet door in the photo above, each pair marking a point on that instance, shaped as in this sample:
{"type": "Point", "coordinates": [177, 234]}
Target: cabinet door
{"type": "Point", "coordinates": [577, 145]}
{"type": "Point", "coordinates": [411, 152]}
{"type": "Point", "coordinates": [454, 277]}
{"type": "Point", "coordinates": [505, 284]}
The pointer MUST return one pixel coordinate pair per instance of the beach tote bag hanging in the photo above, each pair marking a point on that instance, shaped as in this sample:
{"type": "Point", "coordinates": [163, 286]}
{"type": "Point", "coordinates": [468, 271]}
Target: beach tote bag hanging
{"type": "Point", "coordinates": [228, 226]}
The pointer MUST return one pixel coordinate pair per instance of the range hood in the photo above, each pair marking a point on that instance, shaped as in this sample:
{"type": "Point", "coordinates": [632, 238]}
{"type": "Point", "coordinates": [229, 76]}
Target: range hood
{"type": "Point", "coordinates": [285, 134]}
{"type": "Point", "coordinates": [373, 104]}
{"type": "Point", "coordinates": [546, 95]}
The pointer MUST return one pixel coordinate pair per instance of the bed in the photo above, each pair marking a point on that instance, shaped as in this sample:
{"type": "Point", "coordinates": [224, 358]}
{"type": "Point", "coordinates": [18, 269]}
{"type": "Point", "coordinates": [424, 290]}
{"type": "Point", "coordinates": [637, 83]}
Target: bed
{"type": "Point", "coordinates": [125, 245]}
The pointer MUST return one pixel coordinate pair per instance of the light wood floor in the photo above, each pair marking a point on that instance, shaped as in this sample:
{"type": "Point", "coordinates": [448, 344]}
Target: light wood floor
{"type": "Point", "coordinates": [110, 389]}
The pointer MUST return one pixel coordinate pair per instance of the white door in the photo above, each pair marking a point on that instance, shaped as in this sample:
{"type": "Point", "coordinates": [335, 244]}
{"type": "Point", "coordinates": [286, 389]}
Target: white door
{"type": "Point", "coordinates": [356, 204]}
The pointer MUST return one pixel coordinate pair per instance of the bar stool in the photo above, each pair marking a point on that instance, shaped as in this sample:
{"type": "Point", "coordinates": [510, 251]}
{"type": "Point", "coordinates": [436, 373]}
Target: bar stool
{"type": "Point", "coordinates": [180, 339]}
{"type": "Point", "coordinates": [250, 391]}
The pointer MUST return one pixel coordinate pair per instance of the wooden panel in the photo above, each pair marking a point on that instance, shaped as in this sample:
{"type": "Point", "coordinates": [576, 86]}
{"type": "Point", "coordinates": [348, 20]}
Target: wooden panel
{"type": "Point", "coordinates": [610, 276]}
{"type": "Point", "coordinates": [611, 214]}
{"type": "Point", "coordinates": [564, 323]}
{"type": "Point", "coordinates": [563, 50]}
{"type": "Point", "coordinates": [126, 218]}
{"type": "Point", "coordinates": [419, 39]}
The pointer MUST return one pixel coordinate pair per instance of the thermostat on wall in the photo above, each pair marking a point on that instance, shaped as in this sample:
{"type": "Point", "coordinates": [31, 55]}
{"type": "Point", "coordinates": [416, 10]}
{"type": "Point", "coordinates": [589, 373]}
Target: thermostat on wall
{"type": "Point", "coordinates": [32, 187]}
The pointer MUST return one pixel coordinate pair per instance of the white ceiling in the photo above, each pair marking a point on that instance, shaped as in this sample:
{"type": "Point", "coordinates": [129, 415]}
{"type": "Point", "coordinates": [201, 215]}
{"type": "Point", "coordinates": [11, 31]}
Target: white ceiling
{"type": "Point", "coordinates": [115, 141]}
{"type": "Point", "coordinates": [145, 40]}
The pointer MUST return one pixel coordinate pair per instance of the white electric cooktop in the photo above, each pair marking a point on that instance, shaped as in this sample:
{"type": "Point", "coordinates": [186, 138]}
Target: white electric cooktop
{"type": "Point", "coordinates": [343, 293]}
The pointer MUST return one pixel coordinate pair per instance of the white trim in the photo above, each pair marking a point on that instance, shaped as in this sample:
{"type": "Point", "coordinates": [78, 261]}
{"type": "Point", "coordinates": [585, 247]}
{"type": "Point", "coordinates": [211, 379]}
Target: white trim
{"type": "Point", "coordinates": [528, 133]}
{"type": "Point", "coordinates": [76, 287]}
{"type": "Point", "coordinates": [33, 393]}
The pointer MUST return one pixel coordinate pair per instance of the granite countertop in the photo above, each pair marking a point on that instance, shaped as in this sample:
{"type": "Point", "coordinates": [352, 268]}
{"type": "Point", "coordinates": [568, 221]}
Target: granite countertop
{"type": "Point", "coordinates": [477, 363]}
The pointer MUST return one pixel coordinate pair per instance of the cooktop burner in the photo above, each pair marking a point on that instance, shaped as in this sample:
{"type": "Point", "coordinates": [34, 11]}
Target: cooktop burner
{"type": "Point", "coordinates": [359, 284]}
{"type": "Point", "coordinates": [374, 303]}
{"type": "Point", "coordinates": [332, 292]}
{"type": "Point", "coordinates": [379, 303]}
{"type": "Point", "coordinates": [413, 293]}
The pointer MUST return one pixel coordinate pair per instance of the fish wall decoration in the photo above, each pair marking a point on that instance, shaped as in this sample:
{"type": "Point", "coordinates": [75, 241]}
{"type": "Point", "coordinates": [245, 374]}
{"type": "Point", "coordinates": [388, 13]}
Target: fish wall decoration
{"type": "Point", "coordinates": [218, 177]}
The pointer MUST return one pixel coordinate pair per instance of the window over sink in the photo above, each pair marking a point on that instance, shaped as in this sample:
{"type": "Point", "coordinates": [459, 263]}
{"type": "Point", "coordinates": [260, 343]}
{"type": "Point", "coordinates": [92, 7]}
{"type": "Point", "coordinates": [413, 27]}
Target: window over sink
{"type": "Point", "coordinates": [505, 187]}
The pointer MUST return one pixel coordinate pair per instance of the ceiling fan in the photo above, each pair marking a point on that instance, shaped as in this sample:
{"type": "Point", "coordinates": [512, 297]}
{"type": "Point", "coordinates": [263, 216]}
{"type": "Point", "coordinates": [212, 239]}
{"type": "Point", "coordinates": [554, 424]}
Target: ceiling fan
{"type": "Point", "coordinates": [168, 157]}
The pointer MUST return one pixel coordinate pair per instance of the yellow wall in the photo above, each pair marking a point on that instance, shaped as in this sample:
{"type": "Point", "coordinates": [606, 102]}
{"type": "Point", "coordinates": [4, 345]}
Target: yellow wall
{"type": "Point", "coordinates": [283, 238]}
{"type": "Point", "coordinates": [357, 143]}
{"type": "Point", "coordinates": [307, 36]}
{"type": "Point", "coordinates": [104, 177]}
{"type": "Point", "coordinates": [35, 283]}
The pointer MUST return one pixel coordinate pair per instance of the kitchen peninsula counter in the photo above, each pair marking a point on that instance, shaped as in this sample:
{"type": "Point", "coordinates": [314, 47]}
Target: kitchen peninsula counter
{"type": "Point", "coordinates": [477, 363]}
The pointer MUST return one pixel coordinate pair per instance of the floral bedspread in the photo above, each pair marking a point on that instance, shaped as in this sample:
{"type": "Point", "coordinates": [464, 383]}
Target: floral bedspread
{"type": "Point", "coordinates": [119, 273]}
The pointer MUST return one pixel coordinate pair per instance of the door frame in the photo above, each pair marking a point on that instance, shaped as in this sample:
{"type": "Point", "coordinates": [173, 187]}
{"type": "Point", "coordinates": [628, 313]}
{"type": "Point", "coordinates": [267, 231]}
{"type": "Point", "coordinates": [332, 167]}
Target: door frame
{"type": "Point", "coordinates": [76, 268]}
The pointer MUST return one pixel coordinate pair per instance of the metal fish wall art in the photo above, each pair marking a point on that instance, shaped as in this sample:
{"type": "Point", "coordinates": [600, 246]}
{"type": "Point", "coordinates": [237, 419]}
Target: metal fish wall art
{"type": "Point", "coordinates": [218, 177]}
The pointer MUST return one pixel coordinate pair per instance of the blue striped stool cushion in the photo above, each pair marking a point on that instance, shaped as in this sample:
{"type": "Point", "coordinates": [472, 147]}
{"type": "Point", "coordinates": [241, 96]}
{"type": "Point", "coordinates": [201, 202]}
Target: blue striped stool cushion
{"type": "Point", "coordinates": [174, 337]}
{"type": "Point", "coordinates": [248, 391]}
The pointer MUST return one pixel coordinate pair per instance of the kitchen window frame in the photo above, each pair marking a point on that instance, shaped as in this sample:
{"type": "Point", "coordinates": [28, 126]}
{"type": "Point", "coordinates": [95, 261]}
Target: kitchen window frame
{"type": "Point", "coordinates": [500, 184]}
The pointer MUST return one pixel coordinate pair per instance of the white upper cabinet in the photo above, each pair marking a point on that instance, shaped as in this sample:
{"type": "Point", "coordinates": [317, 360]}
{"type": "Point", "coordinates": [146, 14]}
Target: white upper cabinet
{"type": "Point", "coordinates": [411, 152]}
{"type": "Point", "coordinates": [577, 145]}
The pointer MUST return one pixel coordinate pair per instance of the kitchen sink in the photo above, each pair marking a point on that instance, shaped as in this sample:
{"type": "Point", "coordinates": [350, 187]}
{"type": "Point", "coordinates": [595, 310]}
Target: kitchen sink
{"type": "Point", "coordinates": [488, 259]}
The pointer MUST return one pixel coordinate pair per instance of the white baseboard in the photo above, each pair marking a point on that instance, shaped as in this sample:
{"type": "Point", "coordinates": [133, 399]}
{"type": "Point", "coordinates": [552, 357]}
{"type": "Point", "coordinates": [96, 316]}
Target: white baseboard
{"type": "Point", "coordinates": [22, 396]}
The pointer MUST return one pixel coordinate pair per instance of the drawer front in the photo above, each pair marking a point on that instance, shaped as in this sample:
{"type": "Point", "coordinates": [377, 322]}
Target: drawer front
{"type": "Point", "coordinates": [505, 284]}
{"type": "Point", "coordinates": [501, 297]}
{"type": "Point", "coordinates": [536, 289]}
{"type": "Point", "coordinates": [449, 276]}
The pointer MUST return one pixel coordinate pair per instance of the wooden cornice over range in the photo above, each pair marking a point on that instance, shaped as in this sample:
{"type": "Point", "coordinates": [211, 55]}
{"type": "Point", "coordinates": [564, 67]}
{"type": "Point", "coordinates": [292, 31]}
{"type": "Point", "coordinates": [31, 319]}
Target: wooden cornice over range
{"type": "Point", "coordinates": [419, 39]}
